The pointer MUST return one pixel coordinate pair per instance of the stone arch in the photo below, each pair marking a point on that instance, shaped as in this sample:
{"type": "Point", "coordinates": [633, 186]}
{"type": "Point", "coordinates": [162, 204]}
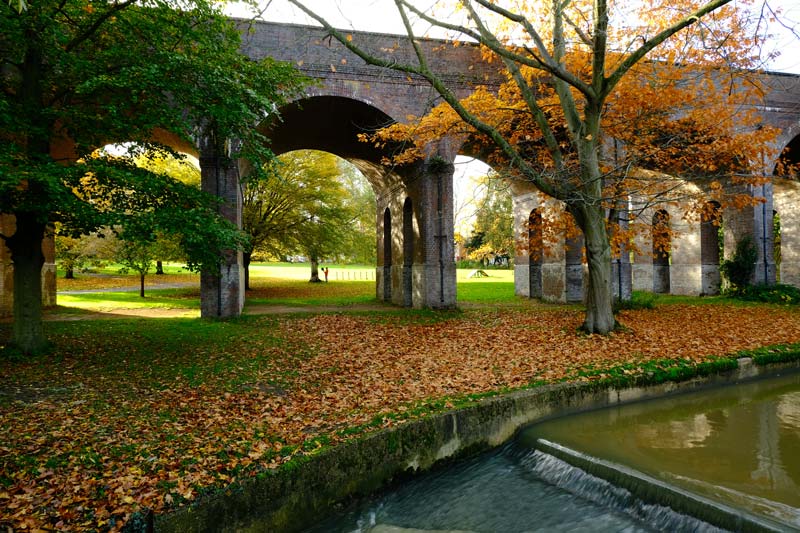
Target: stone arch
{"type": "Point", "coordinates": [387, 255]}
{"type": "Point", "coordinates": [710, 248]}
{"type": "Point", "coordinates": [573, 260]}
{"type": "Point", "coordinates": [661, 245]}
{"type": "Point", "coordinates": [332, 122]}
{"type": "Point", "coordinates": [790, 154]}
{"type": "Point", "coordinates": [408, 253]}
{"type": "Point", "coordinates": [327, 123]}
{"type": "Point", "coordinates": [535, 252]}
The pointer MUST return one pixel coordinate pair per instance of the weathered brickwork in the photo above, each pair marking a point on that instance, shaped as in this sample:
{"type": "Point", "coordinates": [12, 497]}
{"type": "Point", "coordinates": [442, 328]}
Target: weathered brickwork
{"type": "Point", "coordinates": [344, 74]}
{"type": "Point", "coordinates": [7, 227]}
{"type": "Point", "coordinates": [222, 293]}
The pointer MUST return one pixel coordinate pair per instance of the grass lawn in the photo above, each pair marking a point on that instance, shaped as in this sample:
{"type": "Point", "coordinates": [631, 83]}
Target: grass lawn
{"type": "Point", "coordinates": [133, 413]}
{"type": "Point", "coordinates": [154, 298]}
{"type": "Point", "coordinates": [278, 284]}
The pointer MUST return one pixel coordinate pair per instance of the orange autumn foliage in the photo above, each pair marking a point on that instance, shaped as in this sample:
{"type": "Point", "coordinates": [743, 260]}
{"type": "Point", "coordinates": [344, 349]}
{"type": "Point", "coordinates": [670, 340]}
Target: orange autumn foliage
{"type": "Point", "coordinates": [599, 102]}
{"type": "Point", "coordinates": [688, 111]}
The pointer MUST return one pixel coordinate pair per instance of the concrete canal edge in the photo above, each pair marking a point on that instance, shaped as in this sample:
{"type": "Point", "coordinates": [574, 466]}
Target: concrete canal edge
{"type": "Point", "coordinates": [290, 499]}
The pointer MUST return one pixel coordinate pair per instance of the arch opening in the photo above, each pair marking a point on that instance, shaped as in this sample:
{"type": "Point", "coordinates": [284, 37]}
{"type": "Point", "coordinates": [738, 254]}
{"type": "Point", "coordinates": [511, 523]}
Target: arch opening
{"type": "Point", "coordinates": [310, 207]}
{"type": "Point", "coordinates": [535, 253]}
{"type": "Point", "coordinates": [711, 248]}
{"type": "Point", "coordinates": [408, 253]}
{"type": "Point", "coordinates": [788, 165]}
{"type": "Point", "coordinates": [661, 246]}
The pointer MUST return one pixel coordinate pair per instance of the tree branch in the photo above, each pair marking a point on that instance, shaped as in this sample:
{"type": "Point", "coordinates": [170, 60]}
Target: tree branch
{"type": "Point", "coordinates": [547, 65]}
{"type": "Point", "coordinates": [649, 45]}
{"type": "Point", "coordinates": [92, 28]}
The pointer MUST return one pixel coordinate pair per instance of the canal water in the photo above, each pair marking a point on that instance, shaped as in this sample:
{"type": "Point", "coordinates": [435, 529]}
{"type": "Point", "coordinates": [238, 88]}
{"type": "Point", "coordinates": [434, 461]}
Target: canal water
{"type": "Point", "coordinates": [737, 445]}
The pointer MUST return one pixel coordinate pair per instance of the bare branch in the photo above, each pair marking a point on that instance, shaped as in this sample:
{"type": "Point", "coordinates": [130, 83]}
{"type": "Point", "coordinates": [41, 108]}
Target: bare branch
{"type": "Point", "coordinates": [547, 64]}
{"type": "Point", "coordinates": [527, 93]}
{"type": "Point", "coordinates": [650, 44]}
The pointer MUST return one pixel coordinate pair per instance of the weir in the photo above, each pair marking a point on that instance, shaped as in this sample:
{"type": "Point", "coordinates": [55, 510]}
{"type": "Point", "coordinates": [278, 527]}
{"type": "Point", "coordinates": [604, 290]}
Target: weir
{"type": "Point", "coordinates": [562, 470]}
{"type": "Point", "coordinates": [722, 459]}
{"type": "Point", "coordinates": [726, 455]}
{"type": "Point", "coordinates": [664, 506]}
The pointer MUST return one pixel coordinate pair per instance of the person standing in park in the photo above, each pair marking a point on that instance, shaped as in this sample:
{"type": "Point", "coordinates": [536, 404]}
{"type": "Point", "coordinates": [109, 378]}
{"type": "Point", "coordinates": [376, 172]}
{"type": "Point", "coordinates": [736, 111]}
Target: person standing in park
{"type": "Point", "coordinates": [325, 271]}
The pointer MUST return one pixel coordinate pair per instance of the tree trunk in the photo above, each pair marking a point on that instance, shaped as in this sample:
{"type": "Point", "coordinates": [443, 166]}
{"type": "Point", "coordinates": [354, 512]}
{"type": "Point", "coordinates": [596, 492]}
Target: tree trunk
{"type": "Point", "coordinates": [246, 263]}
{"type": "Point", "coordinates": [26, 254]}
{"type": "Point", "coordinates": [141, 285]}
{"type": "Point", "coordinates": [159, 268]}
{"type": "Point", "coordinates": [69, 272]}
{"type": "Point", "coordinates": [314, 269]}
{"type": "Point", "coordinates": [599, 298]}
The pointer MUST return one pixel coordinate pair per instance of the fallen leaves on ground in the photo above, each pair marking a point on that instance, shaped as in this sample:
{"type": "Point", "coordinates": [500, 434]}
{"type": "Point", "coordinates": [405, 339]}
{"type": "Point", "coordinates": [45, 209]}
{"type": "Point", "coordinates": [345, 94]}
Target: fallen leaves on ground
{"type": "Point", "coordinates": [128, 415]}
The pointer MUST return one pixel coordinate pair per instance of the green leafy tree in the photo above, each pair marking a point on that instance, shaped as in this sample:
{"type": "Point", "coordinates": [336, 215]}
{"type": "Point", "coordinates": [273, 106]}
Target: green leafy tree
{"type": "Point", "coordinates": [137, 250]}
{"type": "Point", "coordinates": [74, 253]}
{"type": "Point", "coordinates": [740, 268]}
{"type": "Point", "coordinates": [70, 254]}
{"type": "Point", "coordinates": [137, 255]}
{"type": "Point", "coordinates": [77, 76]}
{"type": "Point", "coordinates": [359, 239]}
{"type": "Point", "coordinates": [494, 219]}
{"type": "Point", "coordinates": [325, 230]}
{"type": "Point", "coordinates": [297, 204]}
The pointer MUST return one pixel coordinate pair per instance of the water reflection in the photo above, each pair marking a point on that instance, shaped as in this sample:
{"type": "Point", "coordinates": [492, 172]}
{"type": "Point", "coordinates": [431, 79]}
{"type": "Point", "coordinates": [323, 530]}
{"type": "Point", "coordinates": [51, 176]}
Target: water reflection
{"type": "Point", "coordinates": [679, 433]}
{"type": "Point", "coordinates": [739, 444]}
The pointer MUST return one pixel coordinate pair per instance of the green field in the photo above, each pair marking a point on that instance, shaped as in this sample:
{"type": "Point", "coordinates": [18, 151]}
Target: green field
{"type": "Point", "coordinates": [283, 284]}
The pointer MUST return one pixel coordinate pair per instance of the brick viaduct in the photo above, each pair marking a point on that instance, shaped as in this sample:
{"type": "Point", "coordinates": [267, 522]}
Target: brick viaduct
{"type": "Point", "coordinates": [414, 212]}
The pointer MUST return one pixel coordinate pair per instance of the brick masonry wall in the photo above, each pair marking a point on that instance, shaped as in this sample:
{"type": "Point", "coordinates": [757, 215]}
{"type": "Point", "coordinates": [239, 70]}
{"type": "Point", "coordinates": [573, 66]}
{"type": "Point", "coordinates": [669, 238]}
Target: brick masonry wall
{"type": "Point", "coordinates": [343, 74]}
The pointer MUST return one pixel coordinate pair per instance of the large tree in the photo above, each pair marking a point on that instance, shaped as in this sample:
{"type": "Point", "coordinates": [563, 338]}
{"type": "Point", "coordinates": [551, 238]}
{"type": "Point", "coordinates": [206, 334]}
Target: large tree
{"type": "Point", "coordinates": [359, 239]}
{"type": "Point", "coordinates": [494, 219]}
{"type": "Point", "coordinates": [593, 94]}
{"type": "Point", "coordinates": [79, 75]}
{"type": "Point", "coordinates": [297, 204]}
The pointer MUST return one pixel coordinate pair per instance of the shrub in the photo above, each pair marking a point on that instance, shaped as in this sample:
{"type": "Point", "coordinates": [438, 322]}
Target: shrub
{"type": "Point", "coordinates": [740, 268]}
{"type": "Point", "coordinates": [775, 294]}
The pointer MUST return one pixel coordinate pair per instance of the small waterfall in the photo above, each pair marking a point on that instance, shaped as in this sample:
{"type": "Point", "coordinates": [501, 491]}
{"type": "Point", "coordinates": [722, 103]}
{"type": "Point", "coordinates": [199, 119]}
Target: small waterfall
{"type": "Point", "coordinates": [655, 502]}
{"type": "Point", "coordinates": [576, 481]}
